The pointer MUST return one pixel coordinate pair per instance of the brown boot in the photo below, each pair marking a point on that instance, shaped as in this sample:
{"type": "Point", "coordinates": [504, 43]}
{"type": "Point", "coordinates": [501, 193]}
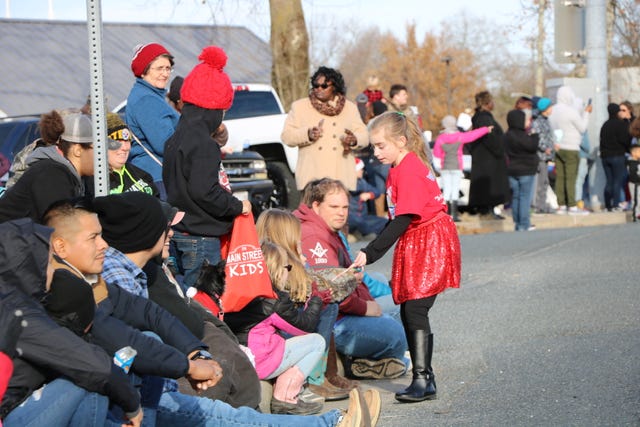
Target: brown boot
{"type": "Point", "coordinates": [353, 416]}
{"type": "Point", "coordinates": [331, 374]}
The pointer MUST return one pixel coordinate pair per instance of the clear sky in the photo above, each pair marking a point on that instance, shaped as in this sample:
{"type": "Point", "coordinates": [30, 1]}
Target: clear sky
{"type": "Point", "coordinates": [254, 14]}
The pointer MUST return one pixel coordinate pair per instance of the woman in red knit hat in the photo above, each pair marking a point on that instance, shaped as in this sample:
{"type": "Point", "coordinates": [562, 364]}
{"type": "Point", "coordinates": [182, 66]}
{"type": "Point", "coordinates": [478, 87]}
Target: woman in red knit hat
{"type": "Point", "coordinates": [149, 117]}
{"type": "Point", "coordinates": [191, 170]}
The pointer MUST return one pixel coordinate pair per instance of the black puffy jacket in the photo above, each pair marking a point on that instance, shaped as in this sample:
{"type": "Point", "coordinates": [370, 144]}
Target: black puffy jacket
{"type": "Point", "coordinates": [261, 308]}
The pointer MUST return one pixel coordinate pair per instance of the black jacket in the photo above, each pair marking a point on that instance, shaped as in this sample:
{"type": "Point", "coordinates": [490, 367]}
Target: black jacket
{"type": "Point", "coordinates": [190, 174]}
{"type": "Point", "coordinates": [489, 181]}
{"type": "Point", "coordinates": [615, 138]}
{"type": "Point", "coordinates": [260, 308]}
{"type": "Point", "coordinates": [48, 350]}
{"type": "Point", "coordinates": [521, 148]}
{"type": "Point", "coordinates": [43, 183]}
{"type": "Point", "coordinates": [119, 320]}
{"type": "Point", "coordinates": [189, 311]}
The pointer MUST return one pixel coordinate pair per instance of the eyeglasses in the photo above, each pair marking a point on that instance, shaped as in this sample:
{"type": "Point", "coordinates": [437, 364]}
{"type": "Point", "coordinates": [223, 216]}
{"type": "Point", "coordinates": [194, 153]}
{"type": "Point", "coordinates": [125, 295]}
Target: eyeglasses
{"type": "Point", "coordinates": [162, 69]}
{"type": "Point", "coordinates": [288, 267]}
{"type": "Point", "coordinates": [323, 85]}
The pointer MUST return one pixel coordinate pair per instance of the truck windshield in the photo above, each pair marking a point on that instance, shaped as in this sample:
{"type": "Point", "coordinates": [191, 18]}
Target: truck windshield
{"type": "Point", "coordinates": [252, 104]}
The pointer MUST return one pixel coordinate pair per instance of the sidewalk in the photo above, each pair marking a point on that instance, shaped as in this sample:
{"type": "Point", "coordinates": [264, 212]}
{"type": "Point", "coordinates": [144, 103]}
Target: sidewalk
{"type": "Point", "coordinates": [473, 224]}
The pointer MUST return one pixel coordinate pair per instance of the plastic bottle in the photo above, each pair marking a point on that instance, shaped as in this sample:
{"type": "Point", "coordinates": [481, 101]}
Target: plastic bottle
{"type": "Point", "coordinates": [124, 358]}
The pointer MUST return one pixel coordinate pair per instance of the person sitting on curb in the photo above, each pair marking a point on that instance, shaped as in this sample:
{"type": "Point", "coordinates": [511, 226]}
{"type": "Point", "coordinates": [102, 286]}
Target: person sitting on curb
{"type": "Point", "coordinates": [260, 325]}
{"type": "Point", "coordinates": [373, 343]}
{"type": "Point", "coordinates": [362, 224]}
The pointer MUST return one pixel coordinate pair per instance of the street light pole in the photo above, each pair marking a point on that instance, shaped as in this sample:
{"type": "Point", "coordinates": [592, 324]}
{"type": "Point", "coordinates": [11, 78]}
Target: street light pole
{"type": "Point", "coordinates": [447, 60]}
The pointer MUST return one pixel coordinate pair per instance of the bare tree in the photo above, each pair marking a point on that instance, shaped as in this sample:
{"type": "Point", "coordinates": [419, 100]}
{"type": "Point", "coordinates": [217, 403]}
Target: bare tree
{"type": "Point", "coordinates": [625, 34]}
{"type": "Point", "coordinates": [289, 50]}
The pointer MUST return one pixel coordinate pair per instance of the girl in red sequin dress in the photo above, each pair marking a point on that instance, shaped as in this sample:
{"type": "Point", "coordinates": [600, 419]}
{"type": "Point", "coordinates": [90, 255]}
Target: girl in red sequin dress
{"type": "Point", "coordinates": [426, 260]}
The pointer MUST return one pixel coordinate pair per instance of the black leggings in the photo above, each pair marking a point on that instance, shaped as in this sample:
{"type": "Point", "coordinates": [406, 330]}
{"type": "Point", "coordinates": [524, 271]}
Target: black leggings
{"type": "Point", "coordinates": [415, 314]}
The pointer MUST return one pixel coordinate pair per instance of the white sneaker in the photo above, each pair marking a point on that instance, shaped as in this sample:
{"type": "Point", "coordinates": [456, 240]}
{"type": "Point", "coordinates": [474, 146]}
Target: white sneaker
{"type": "Point", "coordinates": [561, 210]}
{"type": "Point", "coordinates": [574, 210]}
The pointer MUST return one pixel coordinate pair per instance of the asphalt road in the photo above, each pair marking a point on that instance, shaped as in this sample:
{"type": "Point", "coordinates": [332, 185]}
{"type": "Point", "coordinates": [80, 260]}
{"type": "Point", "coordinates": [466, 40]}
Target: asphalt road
{"type": "Point", "coordinates": [544, 331]}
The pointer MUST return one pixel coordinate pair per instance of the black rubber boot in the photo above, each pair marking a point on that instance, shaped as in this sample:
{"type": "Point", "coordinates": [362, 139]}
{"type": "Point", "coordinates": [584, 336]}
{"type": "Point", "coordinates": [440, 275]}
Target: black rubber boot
{"type": "Point", "coordinates": [454, 212]}
{"type": "Point", "coordinates": [423, 385]}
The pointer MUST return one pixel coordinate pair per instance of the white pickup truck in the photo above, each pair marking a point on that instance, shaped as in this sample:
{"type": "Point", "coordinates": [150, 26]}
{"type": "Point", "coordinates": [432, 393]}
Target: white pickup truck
{"type": "Point", "coordinates": [255, 122]}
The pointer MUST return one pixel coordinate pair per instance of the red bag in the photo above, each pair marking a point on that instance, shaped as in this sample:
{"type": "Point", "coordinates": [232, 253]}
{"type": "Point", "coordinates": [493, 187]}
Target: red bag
{"type": "Point", "coordinates": [247, 275]}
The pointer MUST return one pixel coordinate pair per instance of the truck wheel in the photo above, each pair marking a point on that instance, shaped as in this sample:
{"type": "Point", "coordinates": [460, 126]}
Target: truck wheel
{"type": "Point", "coordinates": [285, 194]}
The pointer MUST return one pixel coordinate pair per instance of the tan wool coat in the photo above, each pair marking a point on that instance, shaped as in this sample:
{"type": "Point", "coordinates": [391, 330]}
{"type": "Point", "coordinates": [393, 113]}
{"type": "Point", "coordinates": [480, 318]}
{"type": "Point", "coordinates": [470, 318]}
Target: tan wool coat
{"type": "Point", "coordinates": [324, 157]}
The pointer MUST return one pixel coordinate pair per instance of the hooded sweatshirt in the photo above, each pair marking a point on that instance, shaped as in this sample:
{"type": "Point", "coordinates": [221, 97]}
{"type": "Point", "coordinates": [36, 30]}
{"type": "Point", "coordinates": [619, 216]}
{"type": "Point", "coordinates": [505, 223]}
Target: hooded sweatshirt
{"type": "Point", "coordinates": [191, 175]}
{"type": "Point", "coordinates": [323, 248]}
{"type": "Point", "coordinates": [521, 148]}
{"type": "Point", "coordinates": [615, 138]}
{"type": "Point", "coordinates": [49, 179]}
{"type": "Point", "coordinates": [573, 123]}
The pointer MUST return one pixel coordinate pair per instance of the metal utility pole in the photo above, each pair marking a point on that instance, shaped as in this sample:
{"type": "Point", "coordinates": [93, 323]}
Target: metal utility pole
{"type": "Point", "coordinates": [597, 71]}
{"type": "Point", "coordinates": [447, 60]}
{"type": "Point", "coordinates": [98, 115]}
{"type": "Point", "coordinates": [539, 73]}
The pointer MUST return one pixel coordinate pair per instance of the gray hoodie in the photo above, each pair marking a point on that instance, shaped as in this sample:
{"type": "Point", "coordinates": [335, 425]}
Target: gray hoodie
{"type": "Point", "coordinates": [565, 117]}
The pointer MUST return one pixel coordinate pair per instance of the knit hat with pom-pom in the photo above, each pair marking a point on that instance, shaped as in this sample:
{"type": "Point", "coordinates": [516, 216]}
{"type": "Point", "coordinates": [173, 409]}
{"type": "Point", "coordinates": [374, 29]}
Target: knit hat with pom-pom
{"type": "Point", "coordinates": [207, 86]}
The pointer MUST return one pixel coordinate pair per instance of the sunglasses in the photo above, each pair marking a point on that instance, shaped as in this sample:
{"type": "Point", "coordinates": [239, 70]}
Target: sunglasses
{"type": "Point", "coordinates": [323, 85]}
{"type": "Point", "coordinates": [288, 267]}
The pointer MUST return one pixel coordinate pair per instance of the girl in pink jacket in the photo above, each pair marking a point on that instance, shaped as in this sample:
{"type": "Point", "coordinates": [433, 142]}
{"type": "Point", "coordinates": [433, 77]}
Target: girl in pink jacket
{"type": "Point", "coordinates": [263, 325]}
{"type": "Point", "coordinates": [448, 148]}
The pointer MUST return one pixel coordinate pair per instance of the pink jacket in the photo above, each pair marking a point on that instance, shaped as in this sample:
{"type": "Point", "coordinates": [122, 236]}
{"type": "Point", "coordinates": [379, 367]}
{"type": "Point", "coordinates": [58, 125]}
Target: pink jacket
{"type": "Point", "coordinates": [461, 137]}
{"type": "Point", "coordinates": [267, 345]}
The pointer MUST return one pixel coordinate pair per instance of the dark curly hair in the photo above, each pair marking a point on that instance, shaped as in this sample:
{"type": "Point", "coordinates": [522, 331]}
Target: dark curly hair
{"type": "Point", "coordinates": [333, 76]}
{"type": "Point", "coordinates": [51, 127]}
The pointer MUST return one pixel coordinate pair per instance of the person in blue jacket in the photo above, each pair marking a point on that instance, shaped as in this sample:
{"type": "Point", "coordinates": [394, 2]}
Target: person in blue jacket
{"type": "Point", "coordinates": [149, 117]}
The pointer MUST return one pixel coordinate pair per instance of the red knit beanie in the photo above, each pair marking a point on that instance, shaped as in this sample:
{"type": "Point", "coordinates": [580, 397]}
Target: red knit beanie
{"type": "Point", "coordinates": [207, 86]}
{"type": "Point", "coordinates": [144, 54]}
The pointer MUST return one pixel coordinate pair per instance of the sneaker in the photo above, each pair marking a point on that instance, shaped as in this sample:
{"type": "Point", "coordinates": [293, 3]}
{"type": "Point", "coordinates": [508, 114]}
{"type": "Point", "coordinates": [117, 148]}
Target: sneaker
{"type": "Point", "coordinates": [562, 210]}
{"type": "Point", "coordinates": [378, 369]}
{"type": "Point", "coordinates": [299, 408]}
{"type": "Point", "coordinates": [310, 396]}
{"type": "Point", "coordinates": [328, 391]}
{"type": "Point", "coordinates": [353, 416]}
{"type": "Point", "coordinates": [531, 227]}
{"type": "Point", "coordinates": [574, 210]}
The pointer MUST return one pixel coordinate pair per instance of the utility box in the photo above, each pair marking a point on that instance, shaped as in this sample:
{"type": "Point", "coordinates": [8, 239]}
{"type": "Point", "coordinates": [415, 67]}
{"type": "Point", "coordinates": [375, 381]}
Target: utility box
{"type": "Point", "coordinates": [569, 28]}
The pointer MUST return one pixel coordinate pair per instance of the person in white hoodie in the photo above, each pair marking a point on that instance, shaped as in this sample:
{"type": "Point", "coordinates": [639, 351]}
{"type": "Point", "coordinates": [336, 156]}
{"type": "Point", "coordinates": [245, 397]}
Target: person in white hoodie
{"type": "Point", "coordinates": [569, 125]}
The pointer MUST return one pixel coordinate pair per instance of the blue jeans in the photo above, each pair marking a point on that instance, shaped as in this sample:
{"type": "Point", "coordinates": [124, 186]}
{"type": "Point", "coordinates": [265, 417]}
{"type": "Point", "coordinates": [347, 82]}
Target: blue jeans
{"type": "Point", "coordinates": [370, 337]}
{"type": "Point", "coordinates": [178, 409]}
{"type": "Point", "coordinates": [191, 251]}
{"type": "Point", "coordinates": [614, 169]}
{"type": "Point", "coordinates": [325, 328]}
{"type": "Point", "coordinates": [303, 351]}
{"type": "Point", "coordinates": [522, 192]}
{"type": "Point", "coordinates": [60, 403]}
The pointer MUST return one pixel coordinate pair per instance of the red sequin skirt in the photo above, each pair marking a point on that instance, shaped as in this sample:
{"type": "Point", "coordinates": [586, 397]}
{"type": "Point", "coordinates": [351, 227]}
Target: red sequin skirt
{"type": "Point", "coordinates": [426, 260]}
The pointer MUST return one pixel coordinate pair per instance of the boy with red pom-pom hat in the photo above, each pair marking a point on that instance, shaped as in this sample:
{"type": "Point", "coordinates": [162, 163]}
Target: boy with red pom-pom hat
{"type": "Point", "coordinates": [191, 170]}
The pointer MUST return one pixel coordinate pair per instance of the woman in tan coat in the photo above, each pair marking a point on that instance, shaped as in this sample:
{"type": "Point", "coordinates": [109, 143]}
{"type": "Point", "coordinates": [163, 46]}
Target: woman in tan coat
{"type": "Point", "coordinates": [327, 128]}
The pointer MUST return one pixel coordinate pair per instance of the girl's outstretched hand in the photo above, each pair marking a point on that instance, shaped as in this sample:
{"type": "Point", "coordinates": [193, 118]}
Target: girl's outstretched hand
{"type": "Point", "coordinates": [361, 260]}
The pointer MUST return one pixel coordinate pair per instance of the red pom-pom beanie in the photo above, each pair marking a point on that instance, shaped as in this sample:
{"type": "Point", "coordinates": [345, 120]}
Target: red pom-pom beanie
{"type": "Point", "coordinates": [144, 54]}
{"type": "Point", "coordinates": [207, 86]}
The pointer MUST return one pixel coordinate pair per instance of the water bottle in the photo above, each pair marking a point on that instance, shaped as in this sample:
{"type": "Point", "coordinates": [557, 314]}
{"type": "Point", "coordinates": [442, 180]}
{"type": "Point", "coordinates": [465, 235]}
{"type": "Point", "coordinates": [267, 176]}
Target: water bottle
{"type": "Point", "coordinates": [124, 358]}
